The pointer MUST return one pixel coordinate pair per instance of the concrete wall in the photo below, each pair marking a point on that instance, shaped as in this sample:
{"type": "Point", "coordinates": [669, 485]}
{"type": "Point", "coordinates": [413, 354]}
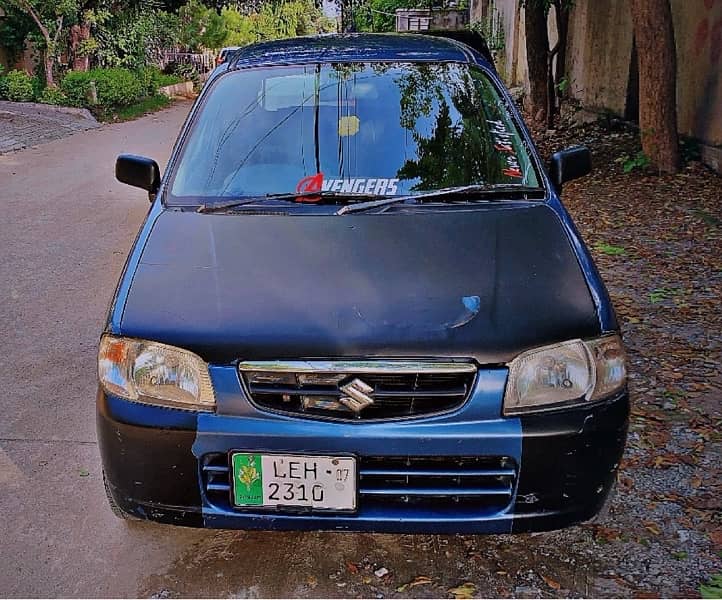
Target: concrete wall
{"type": "Point", "coordinates": [421, 19]}
{"type": "Point", "coordinates": [600, 51]}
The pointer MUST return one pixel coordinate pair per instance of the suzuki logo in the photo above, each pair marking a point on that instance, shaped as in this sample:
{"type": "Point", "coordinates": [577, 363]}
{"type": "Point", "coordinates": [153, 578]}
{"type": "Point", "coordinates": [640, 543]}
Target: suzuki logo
{"type": "Point", "coordinates": [357, 395]}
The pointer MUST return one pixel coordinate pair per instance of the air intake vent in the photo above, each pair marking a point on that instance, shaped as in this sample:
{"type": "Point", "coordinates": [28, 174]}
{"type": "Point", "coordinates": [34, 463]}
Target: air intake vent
{"type": "Point", "coordinates": [444, 481]}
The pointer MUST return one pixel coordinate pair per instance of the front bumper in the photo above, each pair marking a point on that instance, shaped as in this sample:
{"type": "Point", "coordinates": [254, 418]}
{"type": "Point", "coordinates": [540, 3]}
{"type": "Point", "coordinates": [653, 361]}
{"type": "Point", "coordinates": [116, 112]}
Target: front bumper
{"type": "Point", "coordinates": [565, 462]}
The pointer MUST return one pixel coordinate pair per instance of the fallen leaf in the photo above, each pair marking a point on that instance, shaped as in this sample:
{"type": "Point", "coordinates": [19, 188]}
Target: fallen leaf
{"type": "Point", "coordinates": [606, 534]}
{"type": "Point", "coordinates": [352, 568]}
{"type": "Point", "coordinates": [716, 538]}
{"type": "Point", "coordinates": [551, 583]}
{"type": "Point", "coordinates": [421, 580]}
{"type": "Point", "coordinates": [464, 591]}
{"type": "Point", "coordinates": [653, 527]}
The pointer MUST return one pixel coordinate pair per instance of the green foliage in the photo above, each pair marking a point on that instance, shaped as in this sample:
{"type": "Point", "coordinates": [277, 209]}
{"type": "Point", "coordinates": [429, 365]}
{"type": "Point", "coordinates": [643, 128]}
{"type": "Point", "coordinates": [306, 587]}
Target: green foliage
{"type": "Point", "coordinates": [713, 587]}
{"type": "Point", "coordinates": [133, 39]}
{"type": "Point", "coordinates": [165, 80]}
{"type": "Point", "coordinates": [114, 87]}
{"type": "Point", "coordinates": [52, 96]}
{"type": "Point", "coordinates": [186, 72]}
{"type": "Point", "coordinates": [563, 85]}
{"type": "Point", "coordinates": [201, 27]}
{"type": "Point", "coordinates": [18, 86]}
{"type": "Point", "coordinates": [491, 29]}
{"type": "Point", "coordinates": [14, 29]}
{"type": "Point", "coordinates": [378, 15]}
{"type": "Point", "coordinates": [630, 163]}
{"type": "Point", "coordinates": [76, 87]}
{"type": "Point", "coordinates": [273, 21]}
{"type": "Point", "coordinates": [609, 249]}
{"type": "Point", "coordinates": [138, 109]}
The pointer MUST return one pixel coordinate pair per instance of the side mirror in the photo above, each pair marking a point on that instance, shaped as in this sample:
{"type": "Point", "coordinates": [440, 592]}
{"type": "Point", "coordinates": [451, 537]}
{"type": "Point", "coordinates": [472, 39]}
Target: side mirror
{"type": "Point", "coordinates": [569, 164]}
{"type": "Point", "coordinates": [138, 171]}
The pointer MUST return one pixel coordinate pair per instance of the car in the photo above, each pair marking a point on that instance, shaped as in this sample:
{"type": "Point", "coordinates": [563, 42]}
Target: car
{"type": "Point", "coordinates": [225, 54]}
{"type": "Point", "coordinates": [357, 302]}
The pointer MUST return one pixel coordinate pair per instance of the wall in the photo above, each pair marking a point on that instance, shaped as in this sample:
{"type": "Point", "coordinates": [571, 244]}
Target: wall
{"type": "Point", "coordinates": [599, 55]}
{"type": "Point", "coordinates": [423, 19]}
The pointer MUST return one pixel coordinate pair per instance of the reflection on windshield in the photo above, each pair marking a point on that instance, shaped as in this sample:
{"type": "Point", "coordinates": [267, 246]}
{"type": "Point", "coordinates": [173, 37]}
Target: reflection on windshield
{"type": "Point", "coordinates": [380, 129]}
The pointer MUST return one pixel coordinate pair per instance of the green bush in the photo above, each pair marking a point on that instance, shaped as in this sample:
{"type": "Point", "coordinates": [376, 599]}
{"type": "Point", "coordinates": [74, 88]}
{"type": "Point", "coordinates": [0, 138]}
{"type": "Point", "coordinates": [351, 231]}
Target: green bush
{"type": "Point", "coordinates": [188, 72]}
{"type": "Point", "coordinates": [118, 87]}
{"type": "Point", "coordinates": [114, 87]}
{"type": "Point", "coordinates": [18, 86]}
{"type": "Point", "coordinates": [53, 96]}
{"type": "Point", "coordinates": [149, 79]}
{"type": "Point", "coordinates": [164, 80]}
{"type": "Point", "coordinates": [76, 86]}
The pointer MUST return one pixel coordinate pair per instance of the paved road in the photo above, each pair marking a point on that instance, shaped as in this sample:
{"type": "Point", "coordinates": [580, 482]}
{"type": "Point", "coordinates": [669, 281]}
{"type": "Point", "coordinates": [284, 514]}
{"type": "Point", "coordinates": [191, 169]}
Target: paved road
{"type": "Point", "coordinates": [66, 229]}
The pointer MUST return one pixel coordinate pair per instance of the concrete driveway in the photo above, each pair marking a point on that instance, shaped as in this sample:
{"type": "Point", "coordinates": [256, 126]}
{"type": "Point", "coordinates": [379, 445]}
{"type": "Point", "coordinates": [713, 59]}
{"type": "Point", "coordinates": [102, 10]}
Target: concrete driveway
{"type": "Point", "coordinates": [66, 229]}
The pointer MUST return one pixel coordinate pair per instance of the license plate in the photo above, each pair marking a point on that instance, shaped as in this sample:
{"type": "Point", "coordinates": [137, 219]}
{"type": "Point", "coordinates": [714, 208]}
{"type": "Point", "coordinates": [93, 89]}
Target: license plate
{"type": "Point", "coordinates": [278, 480]}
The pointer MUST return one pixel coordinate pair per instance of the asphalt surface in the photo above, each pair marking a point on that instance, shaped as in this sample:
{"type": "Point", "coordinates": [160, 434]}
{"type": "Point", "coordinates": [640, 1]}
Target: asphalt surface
{"type": "Point", "coordinates": [66, 229]}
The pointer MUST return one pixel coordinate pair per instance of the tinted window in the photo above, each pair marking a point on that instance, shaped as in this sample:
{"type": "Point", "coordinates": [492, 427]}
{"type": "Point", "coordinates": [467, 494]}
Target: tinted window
{"type": "Point", "coordinates": [371, 128]}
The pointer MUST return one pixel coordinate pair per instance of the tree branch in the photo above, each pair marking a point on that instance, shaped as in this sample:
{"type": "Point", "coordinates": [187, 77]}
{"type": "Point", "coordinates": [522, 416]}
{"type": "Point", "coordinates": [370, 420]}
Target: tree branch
{"type": "Point", "coordinates": [59, 24]}
{"type": "Point", "coordinates": [27, 7]}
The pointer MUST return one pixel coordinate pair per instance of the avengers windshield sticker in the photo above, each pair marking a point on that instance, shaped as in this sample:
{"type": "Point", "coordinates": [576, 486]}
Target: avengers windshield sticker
{"type": "Point", "coordinates": [362, 185]}
{"type": "Point", "coordinates": [503, 143]}
{"type": "Point", "coordinates": [355, 185]}
{"type": "Point", "coordinates": [308, 185]}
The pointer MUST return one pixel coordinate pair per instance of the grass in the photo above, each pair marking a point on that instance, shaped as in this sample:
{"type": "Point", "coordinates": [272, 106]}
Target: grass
{"type": "Point", "coordinates": [133, 111]}
{"type": "Point", "coordinates": [713, 588]}
{"type": "Point", "coordinates": [609, 249]}
{"type": "Point", "coordinates": [164, 80]}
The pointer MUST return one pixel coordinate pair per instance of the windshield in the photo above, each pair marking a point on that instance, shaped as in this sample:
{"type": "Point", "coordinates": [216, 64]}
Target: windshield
{"type": "Point", "coordinates": [374, 129]}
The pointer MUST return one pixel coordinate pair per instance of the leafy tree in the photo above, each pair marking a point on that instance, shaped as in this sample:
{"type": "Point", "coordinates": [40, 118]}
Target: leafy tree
{"type": "Point", "coordinates": [201, 26]}
{"type": "Point", "coordinates": [134, 38]}
{"type": "Point", "coordinates": [274, 20]}
{"type": "Point", "coordinates": [50, 17]}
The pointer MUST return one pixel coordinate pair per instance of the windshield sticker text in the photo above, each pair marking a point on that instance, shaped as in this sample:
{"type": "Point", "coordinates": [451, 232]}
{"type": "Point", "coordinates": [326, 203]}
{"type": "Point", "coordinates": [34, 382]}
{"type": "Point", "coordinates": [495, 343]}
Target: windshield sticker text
{"type": "Point", "coordinates": [503, 143]}
{"type": "Point", "coordinates": [362, 185]}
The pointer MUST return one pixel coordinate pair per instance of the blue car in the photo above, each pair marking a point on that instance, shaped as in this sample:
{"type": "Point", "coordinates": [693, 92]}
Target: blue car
{"type": "Point", "coordinates": [358, 303]}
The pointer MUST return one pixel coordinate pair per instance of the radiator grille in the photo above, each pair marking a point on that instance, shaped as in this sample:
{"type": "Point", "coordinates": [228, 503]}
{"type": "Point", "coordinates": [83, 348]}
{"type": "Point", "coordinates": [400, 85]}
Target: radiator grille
{"type": "Point", "coordinates": [396, 390]}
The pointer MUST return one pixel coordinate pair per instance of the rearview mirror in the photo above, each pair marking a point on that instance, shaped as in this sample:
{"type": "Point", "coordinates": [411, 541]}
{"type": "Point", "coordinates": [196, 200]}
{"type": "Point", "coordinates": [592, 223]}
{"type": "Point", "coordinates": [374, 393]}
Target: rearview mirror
{"type": "Point", "coordinates": [138, 171]}
{"type": "Point", "coordinates": [569, 164]}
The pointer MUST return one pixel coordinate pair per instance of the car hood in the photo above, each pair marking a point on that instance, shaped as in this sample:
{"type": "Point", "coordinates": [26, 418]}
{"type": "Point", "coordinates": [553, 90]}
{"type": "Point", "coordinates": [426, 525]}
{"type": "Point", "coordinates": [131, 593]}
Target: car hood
{"type": "Point", "coordinates": [485, 283]}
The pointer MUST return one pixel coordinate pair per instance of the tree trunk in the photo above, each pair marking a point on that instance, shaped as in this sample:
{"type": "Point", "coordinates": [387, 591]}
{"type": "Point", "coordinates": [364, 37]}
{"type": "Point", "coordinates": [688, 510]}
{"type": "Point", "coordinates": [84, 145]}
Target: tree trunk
{"type": "Point", "coordinates": [562, 17]}
{"type": "Point", "coordinates": [78, 35]}
{"type": "Point", "coordinates": [557, 61]}
{"type": "Point", "coordinates": [49, 61]}
{"type": "Point", "coordinates": [654, 36]}
{"type": "Point", "coordinates": [537, 53]}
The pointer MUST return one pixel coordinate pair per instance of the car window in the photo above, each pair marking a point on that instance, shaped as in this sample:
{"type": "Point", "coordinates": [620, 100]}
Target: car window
{"type": "Point", "coordinates": [374, 128]}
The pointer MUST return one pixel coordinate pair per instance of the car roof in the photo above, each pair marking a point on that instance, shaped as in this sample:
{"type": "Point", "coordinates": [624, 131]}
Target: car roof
{"type": "Point", "coordinates": [403, 47]}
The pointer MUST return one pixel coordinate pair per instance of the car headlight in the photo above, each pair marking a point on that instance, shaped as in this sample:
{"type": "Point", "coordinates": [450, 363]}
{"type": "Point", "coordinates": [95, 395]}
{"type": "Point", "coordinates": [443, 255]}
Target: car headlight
{"type": "Point", "coordinates": [154, 373]}
{"type": "Point", "coordinates": [565, 374]}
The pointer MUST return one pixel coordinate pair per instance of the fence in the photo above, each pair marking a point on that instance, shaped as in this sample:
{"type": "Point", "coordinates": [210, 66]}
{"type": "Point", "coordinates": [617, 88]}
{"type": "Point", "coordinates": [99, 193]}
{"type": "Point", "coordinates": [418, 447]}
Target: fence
{"type": "Point", "coordinates": [202, 61]}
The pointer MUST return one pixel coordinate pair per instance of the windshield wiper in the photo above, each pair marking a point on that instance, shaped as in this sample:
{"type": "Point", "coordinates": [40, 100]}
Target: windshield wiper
{"type": "Point", "coordinates": [485, 191]}
{"type": "Point", "coordinates": [249, 200]}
